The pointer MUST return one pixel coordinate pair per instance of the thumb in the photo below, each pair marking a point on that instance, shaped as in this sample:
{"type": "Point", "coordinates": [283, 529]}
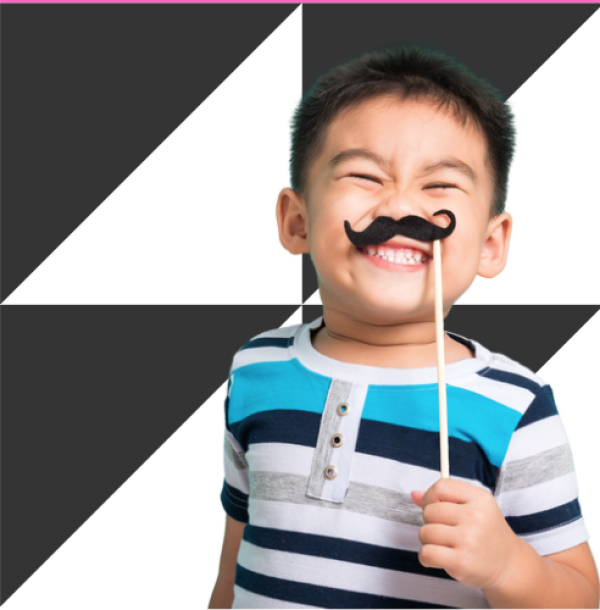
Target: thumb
{"type": "Point", "coordinates": [416, 497]}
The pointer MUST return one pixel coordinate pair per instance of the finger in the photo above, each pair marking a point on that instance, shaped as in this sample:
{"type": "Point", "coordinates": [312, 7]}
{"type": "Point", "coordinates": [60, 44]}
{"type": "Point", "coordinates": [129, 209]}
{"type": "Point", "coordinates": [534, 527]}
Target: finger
{"type": "Point", "coordinates": [449, 490]}
{"type": "Point", "coordinates": [441, 535]}
{"type": "Point", "coordinates": [446, 513]}
{"type": "Point", "coordinates": [434, 556]}
{"type": "Point", "coordinates": [416, 497]}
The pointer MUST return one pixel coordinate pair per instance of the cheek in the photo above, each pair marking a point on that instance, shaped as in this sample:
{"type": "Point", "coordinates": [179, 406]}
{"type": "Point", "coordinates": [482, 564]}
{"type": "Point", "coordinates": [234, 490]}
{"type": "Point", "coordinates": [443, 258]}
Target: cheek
{"type": "Point", "coordinates": [460, 266]}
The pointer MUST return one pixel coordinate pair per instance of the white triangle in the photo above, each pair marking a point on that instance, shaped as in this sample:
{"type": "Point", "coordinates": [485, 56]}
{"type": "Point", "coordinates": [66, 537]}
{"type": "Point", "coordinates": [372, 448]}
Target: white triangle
{"type": "Point", "coordinates": [195, 222]}
{"type": "Point", "coordinates": [295, 318]}
{"type": "Point", "coordinates": [573, 375]}
{"type": "Point", "coordinates": [156, 542]}
{"type": "Point", "coordinates": [314, 299]}
{"type": "Point", "coordinates": [553, 191]}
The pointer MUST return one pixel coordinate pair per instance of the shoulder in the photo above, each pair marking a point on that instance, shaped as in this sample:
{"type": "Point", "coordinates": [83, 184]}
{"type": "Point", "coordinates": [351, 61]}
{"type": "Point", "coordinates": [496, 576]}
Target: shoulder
{"type": "Point", "coordinates": [525, 390]}
{"type": "Point", "coordinates": [269, 346]}
{"type": "Point", "coordinates": [508, 382]}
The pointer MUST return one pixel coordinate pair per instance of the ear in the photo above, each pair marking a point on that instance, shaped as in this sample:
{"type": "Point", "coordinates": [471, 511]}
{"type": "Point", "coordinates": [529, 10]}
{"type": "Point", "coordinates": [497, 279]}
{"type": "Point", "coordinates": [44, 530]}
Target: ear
{"type": "Point", "coordinates": [292, 221]}
{"type": "Point", "coordinates": [495, 247]}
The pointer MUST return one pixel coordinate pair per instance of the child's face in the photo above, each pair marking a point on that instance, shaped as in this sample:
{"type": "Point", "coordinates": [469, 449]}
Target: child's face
{"type": "Point", "coordinates": [434, 163]}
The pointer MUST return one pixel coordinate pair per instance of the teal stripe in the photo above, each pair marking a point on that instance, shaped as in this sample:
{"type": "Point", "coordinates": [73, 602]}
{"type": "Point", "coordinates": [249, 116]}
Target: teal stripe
{"type": "Point", "coordinates": [283, 385]}
{"type": "Point", "coordinates": [290, 386]}
{"type": "Point", "coordinates": [471, 416]}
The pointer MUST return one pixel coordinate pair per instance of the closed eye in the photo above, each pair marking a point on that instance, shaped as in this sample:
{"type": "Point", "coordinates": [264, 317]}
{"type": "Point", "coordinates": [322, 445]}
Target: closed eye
{"type": "Point", "coordinates": [365, 177]}
{"type": "Point", "coordinates": [441, 186]}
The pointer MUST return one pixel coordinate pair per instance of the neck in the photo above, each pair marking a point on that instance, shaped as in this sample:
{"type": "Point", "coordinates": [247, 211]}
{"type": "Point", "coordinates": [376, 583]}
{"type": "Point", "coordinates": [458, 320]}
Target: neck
{"type": "Point", "coordinates": [407, 344]}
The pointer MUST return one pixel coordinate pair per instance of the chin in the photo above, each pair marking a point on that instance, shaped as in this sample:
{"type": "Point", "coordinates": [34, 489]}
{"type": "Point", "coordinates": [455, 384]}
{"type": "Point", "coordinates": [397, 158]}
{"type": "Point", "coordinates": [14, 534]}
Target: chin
{"type": "Point", "coordinates": [397, 313]}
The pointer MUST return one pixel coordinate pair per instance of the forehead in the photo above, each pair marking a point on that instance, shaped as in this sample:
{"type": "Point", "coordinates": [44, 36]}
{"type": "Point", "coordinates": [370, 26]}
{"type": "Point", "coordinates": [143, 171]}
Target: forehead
{"type": "Point", "coordinates": [394, 124]}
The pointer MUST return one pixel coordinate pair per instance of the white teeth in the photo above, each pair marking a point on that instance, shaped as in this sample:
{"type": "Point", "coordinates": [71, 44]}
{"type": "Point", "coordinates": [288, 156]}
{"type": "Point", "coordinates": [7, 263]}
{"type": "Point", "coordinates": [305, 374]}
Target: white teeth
{"type": "Point", "coordinates": [400, 257]}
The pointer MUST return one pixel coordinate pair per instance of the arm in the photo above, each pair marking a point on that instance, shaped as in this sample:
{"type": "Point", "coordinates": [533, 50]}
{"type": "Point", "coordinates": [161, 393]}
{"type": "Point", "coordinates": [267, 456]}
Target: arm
{"type": "Point", "coordinates": [568, 579]}
{"type": "Point", "coordinates": [222, 596]}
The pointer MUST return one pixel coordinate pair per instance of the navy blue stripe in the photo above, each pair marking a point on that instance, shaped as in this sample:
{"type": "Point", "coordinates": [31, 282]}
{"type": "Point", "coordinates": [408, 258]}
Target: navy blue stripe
{"type": "Point", "coordinates": [269, 342]}
{"type": "Point", "coordinates": [338, 548]}
{"type": "Point", "coordinates": [543, 406]}
{"type": "Point", "coordinates": [512, 378]}
{"type": "Point", "coordinates": [546, 519]}
{"type": "Point", "coordinates": [235, 502]}
{"type": "Point", "coordinates": [400, 443]}
{"type": "Point", "coordinates": [313, 595]}
{"type": "Point", "coordinates": [227, 412]}
{"type": "Point", "coordinates": [278, 426]}
{"type": "Point", "coordinates": [422, 448]}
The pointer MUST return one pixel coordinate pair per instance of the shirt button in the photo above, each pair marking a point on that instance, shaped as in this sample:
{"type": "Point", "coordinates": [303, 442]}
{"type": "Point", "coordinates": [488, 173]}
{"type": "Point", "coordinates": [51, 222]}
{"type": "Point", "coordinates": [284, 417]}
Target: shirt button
{"type": "Point", "coordinates": [343, 408]}
{"type": "Point", "coordinates": [330, 472]}
{"type": "Point", "coordinates": [337, 440]}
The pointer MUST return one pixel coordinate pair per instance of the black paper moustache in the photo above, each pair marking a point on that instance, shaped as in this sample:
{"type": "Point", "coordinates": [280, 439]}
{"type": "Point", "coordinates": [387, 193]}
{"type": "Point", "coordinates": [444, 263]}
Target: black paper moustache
{"type": "Point", "coordinates": [414, 227]}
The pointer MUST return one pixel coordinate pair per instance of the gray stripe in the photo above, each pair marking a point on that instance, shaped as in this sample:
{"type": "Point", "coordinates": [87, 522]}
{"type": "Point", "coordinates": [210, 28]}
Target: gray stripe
{"type": "Point", "coordinates": [238, 459]}
{"type": "Point", "coordinates": [542, 467]}
{"type": "Point", "coordinates": [361, 498]}
{"type": "Point", "coordinates": [338, 392]}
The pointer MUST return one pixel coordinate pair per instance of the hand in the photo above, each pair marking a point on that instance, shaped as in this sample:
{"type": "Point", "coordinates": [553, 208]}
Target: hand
{"type": "Point", "coordinates": [466, 534]}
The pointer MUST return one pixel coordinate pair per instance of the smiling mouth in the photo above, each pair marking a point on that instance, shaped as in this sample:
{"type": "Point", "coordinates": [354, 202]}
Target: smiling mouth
{"type": "Point", "coordinates": [399, 256]}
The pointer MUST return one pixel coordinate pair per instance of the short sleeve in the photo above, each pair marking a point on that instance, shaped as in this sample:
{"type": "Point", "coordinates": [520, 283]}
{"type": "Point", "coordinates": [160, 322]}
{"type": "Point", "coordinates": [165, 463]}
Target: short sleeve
{"type": "Point", "coordinates": [536, 488]}
{"type": "Point", "coordinates": [236, 488]}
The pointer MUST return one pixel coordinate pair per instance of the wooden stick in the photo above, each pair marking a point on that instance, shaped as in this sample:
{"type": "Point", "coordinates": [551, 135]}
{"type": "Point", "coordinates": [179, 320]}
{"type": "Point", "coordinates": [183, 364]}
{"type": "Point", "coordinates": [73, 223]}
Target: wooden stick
{"type": "Point", "coordinates": [439, 340]}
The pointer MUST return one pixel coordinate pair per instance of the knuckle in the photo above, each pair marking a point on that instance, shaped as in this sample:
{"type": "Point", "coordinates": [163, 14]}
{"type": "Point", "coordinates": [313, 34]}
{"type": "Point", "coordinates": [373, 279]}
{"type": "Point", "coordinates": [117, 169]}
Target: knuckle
{"type": "Point", "coordinates": [426, 555]}
{"type": "Point", "coordinates": [425, 534]}
{"type": "Point", "coordinates": [442, 485]}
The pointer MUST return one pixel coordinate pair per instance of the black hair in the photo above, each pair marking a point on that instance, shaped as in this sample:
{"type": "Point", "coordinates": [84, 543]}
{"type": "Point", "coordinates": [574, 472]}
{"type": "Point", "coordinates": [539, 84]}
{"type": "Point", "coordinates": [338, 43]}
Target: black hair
{"type": "Point", "coordinates": [410, 72]}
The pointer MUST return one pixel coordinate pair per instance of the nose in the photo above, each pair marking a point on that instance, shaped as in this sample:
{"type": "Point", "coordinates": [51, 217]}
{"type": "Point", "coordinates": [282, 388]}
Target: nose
{"type": "Point", "coordinates": [398, 203]}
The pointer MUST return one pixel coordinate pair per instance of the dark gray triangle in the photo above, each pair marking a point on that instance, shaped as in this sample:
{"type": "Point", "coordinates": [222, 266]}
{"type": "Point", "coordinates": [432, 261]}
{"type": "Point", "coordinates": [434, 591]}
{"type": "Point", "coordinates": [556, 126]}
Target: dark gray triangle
{"type": "Point", "coordinates": [504, 43]}
{"type": "Point", "coordinates": [89, 91]}
{"type": "Point", "coordinates": [89, 394]}
{"type": "Point", "coordinates": [529, 334]}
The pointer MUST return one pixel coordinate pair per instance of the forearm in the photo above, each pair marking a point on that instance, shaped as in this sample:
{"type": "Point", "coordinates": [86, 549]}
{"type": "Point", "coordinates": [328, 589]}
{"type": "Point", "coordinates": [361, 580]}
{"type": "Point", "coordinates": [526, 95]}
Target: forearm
{"type": "Point", "coordinates": [536, 582]}
{"type": "Point", "coordinates": [222, 595]}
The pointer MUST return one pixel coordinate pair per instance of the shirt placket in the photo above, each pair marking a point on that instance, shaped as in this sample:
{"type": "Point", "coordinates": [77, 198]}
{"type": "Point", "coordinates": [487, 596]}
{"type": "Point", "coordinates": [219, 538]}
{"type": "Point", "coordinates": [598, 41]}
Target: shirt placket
{"type": "Point", "coordinates": [330, 472]}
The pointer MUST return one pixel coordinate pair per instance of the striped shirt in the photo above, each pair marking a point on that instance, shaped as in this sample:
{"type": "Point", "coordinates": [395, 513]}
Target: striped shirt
{"type": "Point", "coordinates": [321, 457]}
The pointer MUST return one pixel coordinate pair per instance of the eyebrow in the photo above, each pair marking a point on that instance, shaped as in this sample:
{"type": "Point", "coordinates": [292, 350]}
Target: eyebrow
{"type": "Point", "coordinates": [450, 163]}
{"type": "Point", "coordinates": [445, 163]}
{"type": "Point", "coordinates": [353, 153]}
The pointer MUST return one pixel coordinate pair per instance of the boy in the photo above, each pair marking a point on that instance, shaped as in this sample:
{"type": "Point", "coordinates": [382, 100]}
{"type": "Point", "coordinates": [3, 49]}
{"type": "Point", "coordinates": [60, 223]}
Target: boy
{"type": "Point", "coordinates": [332, 445]}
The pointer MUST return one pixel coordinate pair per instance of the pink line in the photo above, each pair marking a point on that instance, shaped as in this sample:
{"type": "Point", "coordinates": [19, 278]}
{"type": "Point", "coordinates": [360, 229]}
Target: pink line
{"type": "Point", "coordinates": [295, 2]}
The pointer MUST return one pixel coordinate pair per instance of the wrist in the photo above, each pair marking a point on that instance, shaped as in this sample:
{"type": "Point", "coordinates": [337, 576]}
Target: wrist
{"type": "Point", "coordinates": [509, 576]}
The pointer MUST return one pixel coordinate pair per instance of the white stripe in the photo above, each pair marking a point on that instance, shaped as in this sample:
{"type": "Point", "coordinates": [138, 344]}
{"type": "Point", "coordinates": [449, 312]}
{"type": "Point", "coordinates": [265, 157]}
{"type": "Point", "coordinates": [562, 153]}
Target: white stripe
{"type": "Point", "coordinates": [255, 355]}
{"type": "Point", "coordinates": [560, 538]}
{"type": "Point", "coordinates": [538, 498]}
{"type": "Point", "coordinates": [398, 476]}
{"type": "Point", "coordinates": [512, 396]}
{"type": "Point", "coordinates": [539, 436]}
{"type": "Point", "coordinates": [238, 478]}
{"type": "Point", "coordinates": [280, 457]}
{"type": "Point", "coordinates": [323, 521]}
{"type": "Point", "coordinates": [233, 442]}
{"type": "Point", "coordinates": [347, 576]}
{"type": "Point", "coordinates": [247, 599]}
